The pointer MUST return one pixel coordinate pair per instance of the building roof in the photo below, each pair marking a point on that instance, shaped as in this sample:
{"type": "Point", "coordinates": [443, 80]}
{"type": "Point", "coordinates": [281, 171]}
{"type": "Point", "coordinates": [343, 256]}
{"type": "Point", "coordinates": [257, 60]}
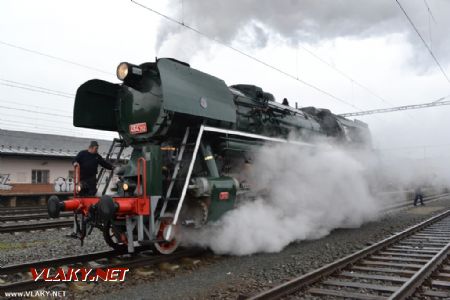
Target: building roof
{"type": "Point", "coordinates": [48, 145]}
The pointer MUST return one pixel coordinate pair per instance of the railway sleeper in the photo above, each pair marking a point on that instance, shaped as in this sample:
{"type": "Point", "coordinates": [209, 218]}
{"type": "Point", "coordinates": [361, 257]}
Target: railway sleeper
{"type": "Point", "coordinates": [393, 258]}
{"type": "Point", "coordinates": [362, 285]}
{"type": "Point", "coordinates": [343, 294]}
{"type": "Point", "coordinates": [351, 274]}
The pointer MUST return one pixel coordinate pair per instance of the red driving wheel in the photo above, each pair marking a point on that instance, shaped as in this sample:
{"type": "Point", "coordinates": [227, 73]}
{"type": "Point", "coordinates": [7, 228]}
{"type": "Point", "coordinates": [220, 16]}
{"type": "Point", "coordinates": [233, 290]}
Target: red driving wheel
{"type": "Point", "coordinates": [163, 246]}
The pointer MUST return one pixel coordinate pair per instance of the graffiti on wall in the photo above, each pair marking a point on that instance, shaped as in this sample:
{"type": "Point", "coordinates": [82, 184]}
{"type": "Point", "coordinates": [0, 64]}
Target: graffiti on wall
{"type": "Point", "coordinates": [4, 178]}
{"type": "Point", "coordinates": [63, 185]}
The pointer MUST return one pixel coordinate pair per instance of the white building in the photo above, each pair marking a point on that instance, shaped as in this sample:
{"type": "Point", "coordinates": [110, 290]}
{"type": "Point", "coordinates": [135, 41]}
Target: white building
{"type": "Point", "coordinates": [33, 162]}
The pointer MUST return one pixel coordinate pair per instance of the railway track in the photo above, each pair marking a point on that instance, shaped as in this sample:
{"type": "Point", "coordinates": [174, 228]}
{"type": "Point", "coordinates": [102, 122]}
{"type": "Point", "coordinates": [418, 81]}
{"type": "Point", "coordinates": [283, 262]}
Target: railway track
{"type": "Point", "coordinates": [22, 210]}
{"type": "Point", "coordinates": [399, 264]}
{"type": "Point", "coordinates": [29, 213]}
{"type": "Point", "coordinates": [142, 258]}
{"type": "Point", "coordinates": [39, 216]}
{"type": "Point", "coordinates": [35, 226]}
{"type": "Point", "coordinates": [408, 203]}
{"type": "Point", "coordinates": [438, 285]}
{"type": "Point", "coordinates": [413, 262]}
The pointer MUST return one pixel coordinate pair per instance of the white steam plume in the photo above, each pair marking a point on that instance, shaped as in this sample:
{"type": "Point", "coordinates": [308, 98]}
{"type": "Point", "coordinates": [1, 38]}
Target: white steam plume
{"type": "Point", "coordinates": [309, 193]}
{"type": "Point", "coordinates": [310, 22]}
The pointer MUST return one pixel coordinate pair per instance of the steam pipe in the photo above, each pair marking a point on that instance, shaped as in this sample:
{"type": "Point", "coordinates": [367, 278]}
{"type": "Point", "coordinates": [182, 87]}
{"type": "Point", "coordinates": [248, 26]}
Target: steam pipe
{"type": "Point", "coordinates": [209, 160]}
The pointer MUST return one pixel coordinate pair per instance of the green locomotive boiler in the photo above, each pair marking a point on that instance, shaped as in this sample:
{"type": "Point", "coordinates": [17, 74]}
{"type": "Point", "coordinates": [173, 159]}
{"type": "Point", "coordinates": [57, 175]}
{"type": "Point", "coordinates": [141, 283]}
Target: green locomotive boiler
{"type": "Point", "coordinates": [188, 131]}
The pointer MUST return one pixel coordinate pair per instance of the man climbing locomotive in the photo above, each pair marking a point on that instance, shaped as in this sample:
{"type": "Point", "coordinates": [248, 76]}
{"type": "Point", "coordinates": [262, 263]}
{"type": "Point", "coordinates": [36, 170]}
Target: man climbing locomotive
{"type": "Point", "coordinates": [188, 131]}
{"type": "Point", "coordinates": [88, 161]}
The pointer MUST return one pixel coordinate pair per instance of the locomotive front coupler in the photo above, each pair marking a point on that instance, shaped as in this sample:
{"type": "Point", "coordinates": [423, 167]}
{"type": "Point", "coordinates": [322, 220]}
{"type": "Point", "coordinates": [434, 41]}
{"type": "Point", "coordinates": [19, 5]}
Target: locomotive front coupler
{"type": "Point", "coordinates": [87, 223]}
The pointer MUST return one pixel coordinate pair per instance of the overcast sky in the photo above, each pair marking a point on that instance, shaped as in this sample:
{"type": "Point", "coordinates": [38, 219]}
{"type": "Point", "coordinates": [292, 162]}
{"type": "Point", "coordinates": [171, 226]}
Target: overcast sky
{"type": "Point", "coordinates": [369, 41]}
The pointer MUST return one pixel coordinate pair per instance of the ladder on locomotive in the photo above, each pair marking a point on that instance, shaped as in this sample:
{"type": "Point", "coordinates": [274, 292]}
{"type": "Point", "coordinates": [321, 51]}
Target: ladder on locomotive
{"type": "Point", "coordinates": [113, 156]}
{"type": "Point", "coordinates": [187, 154]}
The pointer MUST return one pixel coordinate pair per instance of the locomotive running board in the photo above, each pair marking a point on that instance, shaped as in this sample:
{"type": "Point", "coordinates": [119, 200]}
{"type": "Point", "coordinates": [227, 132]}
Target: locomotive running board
{"type": "Point", "coordinates": [254, 136]}
{"type": "Point", "coordinates": [204, 128]}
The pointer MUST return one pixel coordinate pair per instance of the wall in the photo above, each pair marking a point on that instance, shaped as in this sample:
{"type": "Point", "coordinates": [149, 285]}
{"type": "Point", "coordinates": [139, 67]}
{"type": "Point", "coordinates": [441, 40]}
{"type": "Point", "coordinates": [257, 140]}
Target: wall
{"type": "Point", "coordinates": [19, 167]}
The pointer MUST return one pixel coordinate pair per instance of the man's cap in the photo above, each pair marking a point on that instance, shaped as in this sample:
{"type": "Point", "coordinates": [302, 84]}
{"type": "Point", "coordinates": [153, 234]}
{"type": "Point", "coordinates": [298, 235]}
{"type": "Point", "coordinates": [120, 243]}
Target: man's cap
{"type": "Point", "coordinates": [93, 144]}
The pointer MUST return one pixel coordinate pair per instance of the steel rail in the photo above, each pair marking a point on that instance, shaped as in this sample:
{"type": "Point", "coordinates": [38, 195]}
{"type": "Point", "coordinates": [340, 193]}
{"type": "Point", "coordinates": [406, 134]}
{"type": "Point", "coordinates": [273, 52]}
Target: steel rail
{"type": "Point", "coordinates": [136, 262]}
{"type": "Point", "coordinates": [59, 261]}
{"type": "Point", "coordinates": [410, 287]}
{"type": "Point", "coordinates": [308, 279]}
{"type": "Point", "coordinates": [18, 217]}
{"type": "Point", "coordinates": [35, 226]}
{"type": "Point", "coordinates": [25, 210]}
{"type": "Point", "coordinates": [408, 203]}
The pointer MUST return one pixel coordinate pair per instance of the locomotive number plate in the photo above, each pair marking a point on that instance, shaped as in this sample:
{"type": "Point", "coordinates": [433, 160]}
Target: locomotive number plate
{"type": "Point", "coordinates": [138, 128]}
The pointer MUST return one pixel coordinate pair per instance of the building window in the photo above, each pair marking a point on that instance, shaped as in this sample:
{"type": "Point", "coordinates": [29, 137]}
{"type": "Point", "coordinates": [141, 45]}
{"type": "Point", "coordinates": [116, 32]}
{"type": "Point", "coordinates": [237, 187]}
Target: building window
{"type": "Point", "coordinates": [40, 176]}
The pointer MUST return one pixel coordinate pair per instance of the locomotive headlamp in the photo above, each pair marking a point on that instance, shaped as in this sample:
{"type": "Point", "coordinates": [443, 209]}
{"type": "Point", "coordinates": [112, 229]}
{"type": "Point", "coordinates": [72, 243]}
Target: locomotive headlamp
{"type": "Point", "coordinates": [125, 70]}
{"type": "Point", "coordinates": [126, 187]}
{"type": "Point", "coordinates": [122, 71]}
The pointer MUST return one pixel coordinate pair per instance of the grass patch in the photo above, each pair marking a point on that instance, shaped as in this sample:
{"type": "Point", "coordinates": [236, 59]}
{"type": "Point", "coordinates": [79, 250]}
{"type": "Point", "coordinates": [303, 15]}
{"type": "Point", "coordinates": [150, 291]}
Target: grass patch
{"type": "Point", "coordinates": [12, 246]}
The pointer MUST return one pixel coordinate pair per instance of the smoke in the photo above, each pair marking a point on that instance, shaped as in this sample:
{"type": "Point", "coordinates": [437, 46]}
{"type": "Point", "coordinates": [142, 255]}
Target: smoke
{"type": "Point", "coordinates": [310, 21]}
{"type": "Point", "coordinates": [307, 193]}
{"type": "Point", "coordinates": [401, 172]}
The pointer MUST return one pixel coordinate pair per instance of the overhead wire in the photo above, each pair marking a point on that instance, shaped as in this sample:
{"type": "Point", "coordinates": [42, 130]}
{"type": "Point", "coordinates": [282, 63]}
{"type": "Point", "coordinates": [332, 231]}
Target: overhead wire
{"type": "Point", "coordinates": [41, 125]}
{"type": "Point", "coordinates": [35, 90]}
{"type": "Point", "coordinates": [423, 41]}
{"type": "Point", "coordinates": [64, 130]}
{"type": "Point", "coordinates": [398, 108]}
{"type": "Point", "coordinates": [68, 95]}
{"type": "Point", "coordinates": [429, 11]}
{"type": "Point", "coordinates": [414, 147]}
{"type": "Point", "coordinates": [33, 118]}
{"type": "Point", "coordinates": [33, 126]}
{"type": "Point", "coordinates": [25, 103]}
{"type": "Point", "coordinates": [54, 57]}
{"type": "Point", "coordinates": [310, 85]}
{"type": "Point", "coordinates": [37, 87]}
{"type": "Point", "coordinates": [13, 133]}
{"type": "Point", "coordinates": [83, 133]}
{"type": "Point", "coordinates": [211, 38]}
{"type": "Point", "coordinates": [34, 111]}
{"type": "Point", "coordinates": [71, 128]}
{"type": "Point", "coordinates": [342, 73]}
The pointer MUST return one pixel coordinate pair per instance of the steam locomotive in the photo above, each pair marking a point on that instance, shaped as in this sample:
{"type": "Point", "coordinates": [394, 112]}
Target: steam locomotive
{"type": "Point", "coordinates": [189, 133]}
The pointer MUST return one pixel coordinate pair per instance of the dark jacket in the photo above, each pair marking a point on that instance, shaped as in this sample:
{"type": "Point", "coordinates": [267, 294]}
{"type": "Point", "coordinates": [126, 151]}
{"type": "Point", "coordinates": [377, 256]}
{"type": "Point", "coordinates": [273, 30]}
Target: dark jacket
{"type": "Point", "coordinates": [89, 164]}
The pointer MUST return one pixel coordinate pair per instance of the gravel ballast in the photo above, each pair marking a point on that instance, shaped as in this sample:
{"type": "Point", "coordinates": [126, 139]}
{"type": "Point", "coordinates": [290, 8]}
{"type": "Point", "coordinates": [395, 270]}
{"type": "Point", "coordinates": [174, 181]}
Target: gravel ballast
{"type": "Point", "coordinates": [20, 247]}
{"type": "Point", "coordinates": [221, 277]}
{"type": "Point", "coordinates": [230, 277]}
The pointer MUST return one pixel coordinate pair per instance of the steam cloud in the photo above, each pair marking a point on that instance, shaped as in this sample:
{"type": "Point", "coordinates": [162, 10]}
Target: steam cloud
{"type": "Point", "coordinates": [309, 193]}
{"type": "Point", "coordinates": [309, 21]}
